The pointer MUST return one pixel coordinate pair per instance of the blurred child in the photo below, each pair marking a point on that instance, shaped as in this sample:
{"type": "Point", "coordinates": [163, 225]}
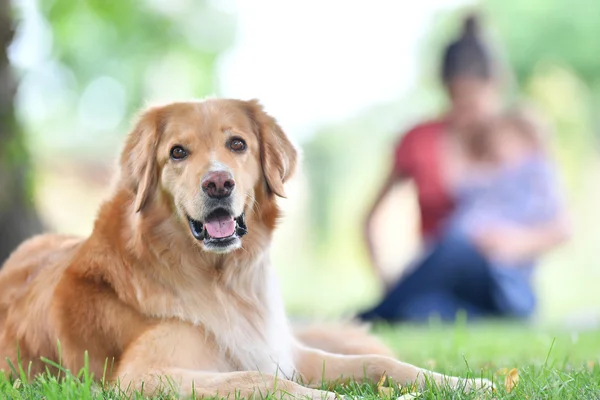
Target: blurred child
{"type": "Point", "coordinates": [516, 186]}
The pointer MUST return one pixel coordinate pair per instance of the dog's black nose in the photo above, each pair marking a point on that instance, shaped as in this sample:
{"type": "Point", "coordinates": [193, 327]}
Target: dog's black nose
{"type": "Point", "coordinates": [218, 184]}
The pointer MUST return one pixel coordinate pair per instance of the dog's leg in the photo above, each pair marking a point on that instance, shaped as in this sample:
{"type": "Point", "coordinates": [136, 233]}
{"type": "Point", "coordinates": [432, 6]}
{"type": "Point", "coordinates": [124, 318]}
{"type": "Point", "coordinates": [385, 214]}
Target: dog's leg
{"type": "Point", "coordinates": [232, 385]}
{"type": "Point", "coordinates": [177, 357]}
{"type": "Point", "coordinates": [316, 367]}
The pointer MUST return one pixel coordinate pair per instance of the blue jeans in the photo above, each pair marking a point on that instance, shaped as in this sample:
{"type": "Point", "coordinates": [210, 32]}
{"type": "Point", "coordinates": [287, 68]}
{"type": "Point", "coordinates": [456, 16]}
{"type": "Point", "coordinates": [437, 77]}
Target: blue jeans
{"type": "Point", "coordinates": [454, 276]}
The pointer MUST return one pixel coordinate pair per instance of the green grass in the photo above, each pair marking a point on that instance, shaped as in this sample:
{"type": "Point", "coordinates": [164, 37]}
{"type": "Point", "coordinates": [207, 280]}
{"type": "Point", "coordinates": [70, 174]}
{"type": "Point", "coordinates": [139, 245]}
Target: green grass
{"type": "Point", "coordinates": [552, 364]}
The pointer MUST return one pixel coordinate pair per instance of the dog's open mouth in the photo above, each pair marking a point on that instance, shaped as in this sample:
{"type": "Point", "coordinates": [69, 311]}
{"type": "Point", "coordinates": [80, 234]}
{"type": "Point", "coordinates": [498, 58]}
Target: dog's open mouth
{"type": "Point", "coordinates": [219, 229]}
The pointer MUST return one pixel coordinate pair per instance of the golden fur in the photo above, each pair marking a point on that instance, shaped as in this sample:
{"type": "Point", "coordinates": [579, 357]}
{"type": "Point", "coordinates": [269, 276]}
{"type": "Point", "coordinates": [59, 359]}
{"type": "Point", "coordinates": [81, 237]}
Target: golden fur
{"type": "Point", "coordinates": [153, 306]}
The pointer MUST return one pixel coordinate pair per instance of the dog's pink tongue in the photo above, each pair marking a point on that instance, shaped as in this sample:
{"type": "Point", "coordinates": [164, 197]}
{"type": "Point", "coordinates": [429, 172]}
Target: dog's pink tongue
{"type": "Point", "coordinates": [220, 227]}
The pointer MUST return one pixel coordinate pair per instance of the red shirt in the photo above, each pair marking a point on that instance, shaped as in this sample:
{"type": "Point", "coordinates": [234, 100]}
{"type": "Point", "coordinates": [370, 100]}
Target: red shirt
{"type": "Point", "coordinates": [418, 157]}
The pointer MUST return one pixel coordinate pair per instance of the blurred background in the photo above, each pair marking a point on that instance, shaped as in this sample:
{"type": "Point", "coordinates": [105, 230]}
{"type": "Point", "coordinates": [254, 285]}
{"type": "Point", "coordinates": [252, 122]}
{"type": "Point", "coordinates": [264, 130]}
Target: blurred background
{"type": "Point", "coordinates": [344, 79]}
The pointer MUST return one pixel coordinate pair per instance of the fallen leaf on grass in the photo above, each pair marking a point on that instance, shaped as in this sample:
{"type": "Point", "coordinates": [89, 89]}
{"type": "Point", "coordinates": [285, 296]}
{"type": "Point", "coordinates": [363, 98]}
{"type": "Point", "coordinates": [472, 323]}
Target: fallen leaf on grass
{"type": "Point", "coordinates": [511, 380]}
{"type": "Point", "coordinates": [381, 381]}
{"type": "Point", "coordinates": [408, 389]}
{"type": "Point", "coordinates": [385, 391]}
{"type": "Point", "coordinates": [406, 392]}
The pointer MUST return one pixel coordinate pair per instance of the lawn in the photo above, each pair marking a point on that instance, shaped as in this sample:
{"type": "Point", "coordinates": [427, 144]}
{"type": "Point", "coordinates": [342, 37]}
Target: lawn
{"type": "Point", "coordinates": [551, 364]}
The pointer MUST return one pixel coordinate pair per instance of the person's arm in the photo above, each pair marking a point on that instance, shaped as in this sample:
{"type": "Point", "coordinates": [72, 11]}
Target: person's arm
{"type": "Point", "coordinates": [529, 242]}
{"type": "Point", "coordinates": [403, 165]}
{"type": "Point", "coordinates": [393, 178]}
{"type": "Point", "coordinates": [520, 243]}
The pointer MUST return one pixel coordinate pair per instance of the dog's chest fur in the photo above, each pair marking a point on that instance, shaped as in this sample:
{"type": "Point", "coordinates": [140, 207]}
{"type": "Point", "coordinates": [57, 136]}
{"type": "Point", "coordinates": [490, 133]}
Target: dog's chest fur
{"type": "Point", "coordinates": [250, 328]}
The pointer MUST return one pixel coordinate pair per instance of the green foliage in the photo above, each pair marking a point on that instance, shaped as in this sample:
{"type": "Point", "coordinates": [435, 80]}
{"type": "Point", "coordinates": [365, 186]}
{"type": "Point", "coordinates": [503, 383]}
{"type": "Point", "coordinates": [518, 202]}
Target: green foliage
{"type": "Point", "coordinates": [557, 31]}
{"type": "Point", "coordinates": [109, 57]}
{"type": "Point", "coordinates": [123, 38]}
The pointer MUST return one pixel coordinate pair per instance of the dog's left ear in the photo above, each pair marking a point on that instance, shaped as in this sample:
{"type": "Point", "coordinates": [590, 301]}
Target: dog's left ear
{"type": "Point", "coordinates": [277, 154]}
{"type": "Point", "coordinates": [139, 170]}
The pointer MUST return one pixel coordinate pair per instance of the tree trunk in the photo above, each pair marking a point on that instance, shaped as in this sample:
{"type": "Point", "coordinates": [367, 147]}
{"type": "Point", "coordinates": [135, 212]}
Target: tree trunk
{"type": "Point", "coordinates": [18, 219]}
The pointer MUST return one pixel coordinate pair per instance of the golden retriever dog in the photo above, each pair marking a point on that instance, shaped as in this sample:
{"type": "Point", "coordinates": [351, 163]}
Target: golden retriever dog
{"type": "Point", "coordinates": [174, 288]}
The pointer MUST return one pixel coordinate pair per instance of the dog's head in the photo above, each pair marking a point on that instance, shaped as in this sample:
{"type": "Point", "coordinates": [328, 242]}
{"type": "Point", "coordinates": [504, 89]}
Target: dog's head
{"type": "Point", "coordinates": [208, 161]}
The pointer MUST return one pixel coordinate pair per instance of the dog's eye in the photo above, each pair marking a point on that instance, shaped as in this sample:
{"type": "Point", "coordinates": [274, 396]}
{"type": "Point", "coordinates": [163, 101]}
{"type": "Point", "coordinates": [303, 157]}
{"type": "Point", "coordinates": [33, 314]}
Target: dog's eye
{"type": "Point", "coordinates": [237, 145]}
{"type": "Point", "coordinates": [178, 153]}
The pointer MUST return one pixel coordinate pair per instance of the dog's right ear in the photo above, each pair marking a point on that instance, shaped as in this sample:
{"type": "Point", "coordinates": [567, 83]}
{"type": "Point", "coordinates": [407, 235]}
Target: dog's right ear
{"type": "Point", "coordinates": [139, 169]}
{"type": "Point", "coordinates": [277, 154]}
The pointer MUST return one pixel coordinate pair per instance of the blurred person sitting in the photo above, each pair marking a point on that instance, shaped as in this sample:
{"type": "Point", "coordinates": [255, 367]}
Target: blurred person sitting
{"type": "Point", "coordinates": [488, 198]}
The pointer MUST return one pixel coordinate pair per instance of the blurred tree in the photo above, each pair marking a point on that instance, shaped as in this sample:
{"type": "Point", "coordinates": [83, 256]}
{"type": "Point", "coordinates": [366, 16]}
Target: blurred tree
{"type": "Point", "coordinates": [18, 219]}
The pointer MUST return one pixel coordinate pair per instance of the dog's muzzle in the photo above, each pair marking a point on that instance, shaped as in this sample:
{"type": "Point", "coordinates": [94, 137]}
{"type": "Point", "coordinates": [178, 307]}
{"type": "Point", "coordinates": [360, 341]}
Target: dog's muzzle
{"type": "Point", "coordinates": [219, 230]}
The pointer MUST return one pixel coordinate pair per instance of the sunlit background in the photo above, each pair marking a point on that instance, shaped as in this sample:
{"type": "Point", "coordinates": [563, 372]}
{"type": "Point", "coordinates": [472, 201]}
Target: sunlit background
{"type": "Point", "coordinates": [343, 78]}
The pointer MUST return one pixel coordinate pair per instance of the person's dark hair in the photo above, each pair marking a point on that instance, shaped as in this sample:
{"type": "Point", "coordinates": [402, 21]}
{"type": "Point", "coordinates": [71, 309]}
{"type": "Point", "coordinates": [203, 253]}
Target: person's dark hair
{"type": "Point", "coordinates": [467, 56]}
